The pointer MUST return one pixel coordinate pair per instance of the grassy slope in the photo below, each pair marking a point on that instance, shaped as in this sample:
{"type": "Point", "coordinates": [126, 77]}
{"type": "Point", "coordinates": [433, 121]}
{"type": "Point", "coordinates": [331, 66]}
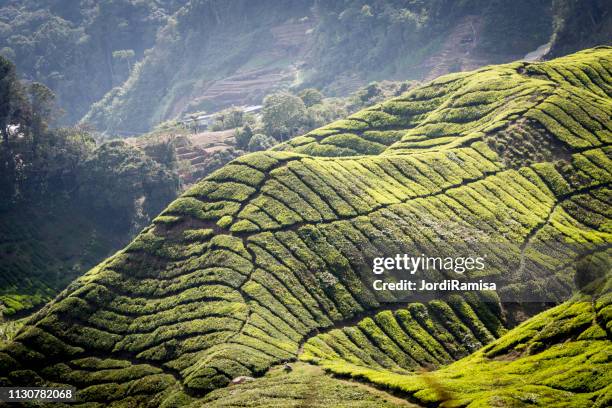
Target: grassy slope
{"type": "Point", "coordinates": [558, 356]}
{"type": "Point", "coordinates": [304, 386]}
{"type": "Point", "coordinates": [246, 265]}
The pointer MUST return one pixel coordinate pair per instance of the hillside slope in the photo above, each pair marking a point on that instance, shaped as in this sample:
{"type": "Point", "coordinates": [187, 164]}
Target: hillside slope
{"type": "Point", "coordinates": [256, 259]}
{"type": "Point", "coordinates": [41, 254]}
{"type": "Point", "coordinates": [336, 46]}
{"type": "Point", "coordinates": [578, 25]}
{"type": "Point", "coordinates": [80, 50]}
{"type": "Point", "coordinates": [558, 356]}
{"type": "Point", "coordinates": [66, 218]}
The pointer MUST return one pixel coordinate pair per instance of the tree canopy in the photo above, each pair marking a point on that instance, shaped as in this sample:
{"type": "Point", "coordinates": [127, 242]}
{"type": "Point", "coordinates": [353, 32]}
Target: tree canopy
{"type": "Point", "coordinates": [282, 115]}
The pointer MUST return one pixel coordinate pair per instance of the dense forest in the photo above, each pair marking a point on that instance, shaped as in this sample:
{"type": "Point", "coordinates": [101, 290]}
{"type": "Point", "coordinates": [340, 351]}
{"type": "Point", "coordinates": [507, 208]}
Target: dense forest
{"type": "Point", "coordinates": [81, 51]}
{"type": "Point", "coordinates": [320, 49]}
{"type": "Point", "coordinates": [65, 200]}
{"type": "Point", "coordinates": [144, 62]}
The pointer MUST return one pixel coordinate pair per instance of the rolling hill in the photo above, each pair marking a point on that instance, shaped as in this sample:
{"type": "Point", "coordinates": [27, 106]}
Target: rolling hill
{"type": "Point", "coordinates": [268, 260]}
{"type": "Point", "coordinates": [558, 356]}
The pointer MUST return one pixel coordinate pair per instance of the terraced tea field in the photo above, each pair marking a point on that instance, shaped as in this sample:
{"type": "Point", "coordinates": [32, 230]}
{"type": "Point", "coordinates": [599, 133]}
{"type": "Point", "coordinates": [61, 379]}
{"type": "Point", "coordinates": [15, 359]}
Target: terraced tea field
{"type": "Point", "coordinates": [559, 358]}
{"type": "Point", "coordinates": [192, 149]}
{"type": "Point", "coordinates": [268, 260]}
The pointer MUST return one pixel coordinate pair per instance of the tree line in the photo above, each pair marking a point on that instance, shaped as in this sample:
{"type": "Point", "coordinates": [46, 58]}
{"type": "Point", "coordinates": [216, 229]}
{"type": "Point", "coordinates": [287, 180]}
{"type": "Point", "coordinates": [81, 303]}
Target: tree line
{"type": "Point", "coordinates": [40, 163]}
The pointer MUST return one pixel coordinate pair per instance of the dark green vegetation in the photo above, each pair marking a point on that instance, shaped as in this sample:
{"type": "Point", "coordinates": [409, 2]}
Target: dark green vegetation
{"type": "Point", "coordinates": [259, 262]}
{"type": "Point", "coordinates": [336, 46]}
{"type": "Point", "coordinates": [65, 203]}
{"type": "Point", "coordinates": [579, 24]}
{"type": "Point", "coordinates": [80, 49]}
{"type": "Point", "coordinates": [410, 337]}
{"type": "Point", "coordinates": [144, 62]}
{"type": "Point", "coordinates": [209, 55]}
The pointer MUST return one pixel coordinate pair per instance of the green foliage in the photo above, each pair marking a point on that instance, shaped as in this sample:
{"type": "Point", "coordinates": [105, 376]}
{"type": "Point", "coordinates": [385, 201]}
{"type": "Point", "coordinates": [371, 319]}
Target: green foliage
{"type": "Point", "coordinates": [243, 136]}
{"type": "Point", "coordinates": [163, 152]}
{"type": "Point", "coordinates": [132, 90]}
{"type": "Point", "coordinates": [304, 384]}
{"type": "Point", "coordinates": [516, 367]}
{"type": "Point", "coordinates": [268, 259]}
{"type": "Point", "coordinates": [155, 85]}
{"type": "Point", "coordinates": [62, 193]}
{"type": "Point", "coordinates": [81, 53]}
{"type": "Point", "coordinates": [310, 97]}
{"type": "Point", "coordinates": [569, 17]}
{"type": "Point", "coordinates": [282, 115]}
{"type": "Point", "coordinates": [357, 36]}
{"type": "Point", "coordinates": [132, 175]}
{"type": "Point", "coordinates": [261, 142]}
{"type": "Point", "coordinates": [231, 118]}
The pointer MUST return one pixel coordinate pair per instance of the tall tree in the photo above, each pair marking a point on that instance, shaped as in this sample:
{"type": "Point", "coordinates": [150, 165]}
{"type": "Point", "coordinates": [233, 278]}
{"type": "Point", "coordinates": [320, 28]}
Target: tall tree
{"type": "Point", "coordinates": [12, 101]}
{"type": "Point", "coordinates": [13, 112]}
{"type": "Point", "coordinates": [282, 115]}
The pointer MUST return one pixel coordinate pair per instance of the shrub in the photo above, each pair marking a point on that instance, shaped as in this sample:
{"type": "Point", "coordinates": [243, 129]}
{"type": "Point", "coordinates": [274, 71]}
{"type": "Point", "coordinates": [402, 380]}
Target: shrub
{"type": "Point", "coordinates": [310, 97]}
{"type": "Point", "coordinates": [261, 142]}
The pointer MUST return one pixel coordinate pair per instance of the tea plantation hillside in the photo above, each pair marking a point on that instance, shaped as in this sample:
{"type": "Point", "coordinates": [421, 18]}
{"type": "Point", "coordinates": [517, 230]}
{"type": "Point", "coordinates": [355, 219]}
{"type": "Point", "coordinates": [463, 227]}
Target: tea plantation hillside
{"type": "Point", "coordinates": [558, 356]}
{"type": "Point", "coordinates": [269, 259]}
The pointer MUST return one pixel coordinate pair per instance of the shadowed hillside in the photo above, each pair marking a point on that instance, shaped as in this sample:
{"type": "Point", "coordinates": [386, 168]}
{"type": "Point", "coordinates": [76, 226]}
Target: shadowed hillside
{"type": "Point", "coordinates": [269, 258]}
{"type": "Point", "coordinates": [127, 65]}
{"type": "Point", "coordinates": [336, 46]}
